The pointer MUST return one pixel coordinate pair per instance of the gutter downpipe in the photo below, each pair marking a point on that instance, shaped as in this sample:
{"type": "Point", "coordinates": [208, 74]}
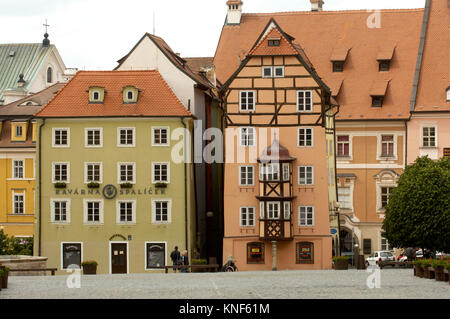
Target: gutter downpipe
{"type": "Point", "coordinates": [423, 34]}
{"type": "Point", "coordinates": [185, 187]}
{"type": "Point", "coordinates": [40, 184]}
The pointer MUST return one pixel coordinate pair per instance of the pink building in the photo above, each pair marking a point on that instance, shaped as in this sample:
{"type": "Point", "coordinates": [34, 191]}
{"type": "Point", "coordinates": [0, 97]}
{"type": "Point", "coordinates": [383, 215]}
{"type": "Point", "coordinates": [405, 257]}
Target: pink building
{"type": "Point", "coordinates": [429, 127]}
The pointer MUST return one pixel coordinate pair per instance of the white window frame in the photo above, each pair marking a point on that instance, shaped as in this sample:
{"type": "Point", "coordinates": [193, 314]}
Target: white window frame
{"type": "Point", "coordinates": [154, 181]}
{"type": "Point", "coordinates": [86, 181]}
{"type": "Point", "coordinates": [241, 133]}
{"type": "Point", "coordinates": [270, 168]}
{"type": "Point", "coordinates": [119, 181]}
{"type": "Point", "coordinates": [99, 96]}
{"type": "Point", "coordinates": [21, 131]}
{"type": "Point", "coordinates": [277, 204]}
{"type": "Point", "coordinates": [349, 145]}
{"type": "Point", "coordinates": [306, 176]}
{"type": "Point", "coordinates": [85, 211]}
{"type": "Point", "coordinates": [287, 206]}
{"type": "Point", "coordinates": [312, 136]}
{"type": "Point", "coordinates": [244, 215]}
{"type": "Point", "coordinates": [134, 137]}
{"type": "Point", "coordinates": [267, 68]}
{"type": "Point", "coordinates": [67, 129]}
{"type": "Point", "coordinates": [133, 211]}
{"type": "Point", "coordinates": [154, 128]}
{"type": "Point", "coordinates": [312, 102]}
{"type": "Point", "coordinates": [380, 150]}
{"type": "Point", "coordinates": [246, 167]}
{"type": "Point", "coordinates": [286, 172]}
{"type": "Point", "coordinates": [14, 169]}
{"type": "Point", "coordinates": [52, 210]}
{"type": "Point", "coordinates": [14, 194]}
{"type": "Point", "coordinates": [169, 211]}
{"type": "Point", "coordinates": [68, 172]}
{"type": "Point", "coordinates": [275, 73]}
{"type": "Point", "coordinates": [62, 252]}
{"type": "Point", "coordinates": [349, 195]}
{"type": "Point", "coordinates": [422, 127]}
{"type": "Point", "coordinates": [86, 130]}
{"type": "Point", "coordinates": [146, 253]}
{"type": "Point", "coordinates": [240, 101]}
{"type": "Point", "coordinates": [306, 216]}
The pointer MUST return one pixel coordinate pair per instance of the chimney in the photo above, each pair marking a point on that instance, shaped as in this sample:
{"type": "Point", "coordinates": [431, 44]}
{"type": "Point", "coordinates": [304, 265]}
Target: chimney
{"type": "Point", "coordinates": [317, 5]}
{"type": "Point", "coordinates": [234, 11]}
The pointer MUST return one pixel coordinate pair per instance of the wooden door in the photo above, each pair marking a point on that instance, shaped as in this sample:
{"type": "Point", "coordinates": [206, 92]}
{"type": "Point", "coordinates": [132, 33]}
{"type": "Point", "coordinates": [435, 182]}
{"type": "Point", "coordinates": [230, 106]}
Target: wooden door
{"type": "Point", "coordinates": [119, 258]}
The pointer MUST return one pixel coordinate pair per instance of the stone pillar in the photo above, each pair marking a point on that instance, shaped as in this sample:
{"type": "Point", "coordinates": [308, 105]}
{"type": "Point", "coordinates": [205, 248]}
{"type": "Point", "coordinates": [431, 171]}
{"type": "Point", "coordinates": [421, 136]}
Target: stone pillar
{"type": "Point", "coordinates": [274, 255]}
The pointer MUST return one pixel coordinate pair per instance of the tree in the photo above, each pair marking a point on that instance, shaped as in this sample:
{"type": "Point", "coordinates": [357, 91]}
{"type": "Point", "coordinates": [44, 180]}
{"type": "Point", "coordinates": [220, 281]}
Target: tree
{"type": "Point", "coordinates": [418, 212]}
{"type": "Point", "coordinates": [14, 245]}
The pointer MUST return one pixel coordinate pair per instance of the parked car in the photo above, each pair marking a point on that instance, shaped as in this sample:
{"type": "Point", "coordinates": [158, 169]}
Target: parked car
{"type": "Point", "coordinates": [377, 256]}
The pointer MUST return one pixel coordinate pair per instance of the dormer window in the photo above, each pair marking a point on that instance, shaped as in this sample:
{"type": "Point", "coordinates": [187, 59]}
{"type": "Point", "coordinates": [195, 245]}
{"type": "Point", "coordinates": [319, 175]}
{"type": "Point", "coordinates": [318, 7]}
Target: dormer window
{"type": "Point", "coordinates": [338, 66]}
{"type": "Point", "coordinates": [448, 94]}
{"type": "Point", "coordinates": [384, 65]}
{"type": "Point", "coordinates": [130, 94]}
{"type": "Point", "coordinates": [377, 101]}
{"type": "Point", "coordinates": [274, 42]}
{"type": "Point", "coordinates": [338, 58]}
{"type": "Point", "coordinates": [378, 92]}
{"type": "Point", "coordinates": [96, 94]}
{"type": "Point", "coordinates": [384, 57]}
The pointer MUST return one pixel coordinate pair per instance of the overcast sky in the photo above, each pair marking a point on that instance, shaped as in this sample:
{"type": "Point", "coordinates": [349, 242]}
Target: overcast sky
{"type": "Point", "coordinates": [94, 34]}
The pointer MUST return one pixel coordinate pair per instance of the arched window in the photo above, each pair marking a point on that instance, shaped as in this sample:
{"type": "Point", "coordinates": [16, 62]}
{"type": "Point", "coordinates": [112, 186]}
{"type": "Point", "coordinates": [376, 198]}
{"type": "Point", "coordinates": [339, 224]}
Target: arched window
{"type": "Point", "coordinates": [49, 75]}
{"type": "Point", "coordinates": [96, 96]}
{"type": "Point", "coordinates": [130, 95]}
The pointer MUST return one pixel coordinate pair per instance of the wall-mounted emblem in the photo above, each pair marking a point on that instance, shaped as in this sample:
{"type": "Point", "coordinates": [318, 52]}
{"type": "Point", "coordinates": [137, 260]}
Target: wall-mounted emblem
{"type": "Point", "coordinates": [109, 191]}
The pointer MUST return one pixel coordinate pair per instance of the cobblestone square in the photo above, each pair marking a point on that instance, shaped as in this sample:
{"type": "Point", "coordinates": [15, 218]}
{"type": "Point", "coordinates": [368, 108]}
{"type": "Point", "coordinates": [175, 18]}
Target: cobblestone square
{"type": "Point", "coordinates": [327, 284]}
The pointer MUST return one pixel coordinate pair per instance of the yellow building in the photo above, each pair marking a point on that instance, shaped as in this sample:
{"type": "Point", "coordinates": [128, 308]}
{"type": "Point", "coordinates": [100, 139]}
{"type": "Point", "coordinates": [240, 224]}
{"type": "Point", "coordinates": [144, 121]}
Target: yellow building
{"type": "Point", "coordinates": [17, 162]}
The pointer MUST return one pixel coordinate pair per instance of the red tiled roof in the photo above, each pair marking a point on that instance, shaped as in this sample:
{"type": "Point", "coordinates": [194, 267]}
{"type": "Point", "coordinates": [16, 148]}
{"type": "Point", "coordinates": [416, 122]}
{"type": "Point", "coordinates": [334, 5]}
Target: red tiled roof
{"type": "Point", "coordinates": [320, 32]}
{"type": "Point", "coordinates": [38, 100]}
{"type": "Point", "coordinates": [263, 48]}
{"type": "Point", "coordinates": [435, 72]}
{"type": "Point", "coordinates": [155, 98]}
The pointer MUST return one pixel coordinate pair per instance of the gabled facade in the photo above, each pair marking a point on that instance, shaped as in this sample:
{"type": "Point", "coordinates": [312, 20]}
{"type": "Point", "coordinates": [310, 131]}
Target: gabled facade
{"type": "Point", "coordinates": [370, 71]}
{"type": "Point", "coordinates": [28, 68]}
{"type": "Point", "coordinates": [17, 162]}
{"type": "Point", "coordinates": [278, 113]}
{"type": "Point", "coordinates": [109, 188]}
{"type": "Point", "coordinates": [429, 127]}
{"type": "Point", "coordinates": [193, 82]}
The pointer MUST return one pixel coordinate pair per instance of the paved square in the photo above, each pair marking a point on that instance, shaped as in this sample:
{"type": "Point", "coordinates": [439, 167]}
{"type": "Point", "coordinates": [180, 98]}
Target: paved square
{"type": "Point", "coordinates": [395, 284]}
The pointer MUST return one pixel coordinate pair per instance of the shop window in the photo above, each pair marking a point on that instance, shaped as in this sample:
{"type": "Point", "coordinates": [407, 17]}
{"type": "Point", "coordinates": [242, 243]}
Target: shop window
{"type": "Point", "coordinates": [305, 253]}
{"type": "Point", "coordinates": [255, 253]}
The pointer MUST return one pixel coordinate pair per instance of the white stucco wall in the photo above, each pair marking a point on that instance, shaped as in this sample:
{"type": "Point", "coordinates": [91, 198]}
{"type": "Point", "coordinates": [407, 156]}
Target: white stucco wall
{"type": "Point", "coordinates": [147, 56]}
{"type": "Point", "coordinates": [40, 81]}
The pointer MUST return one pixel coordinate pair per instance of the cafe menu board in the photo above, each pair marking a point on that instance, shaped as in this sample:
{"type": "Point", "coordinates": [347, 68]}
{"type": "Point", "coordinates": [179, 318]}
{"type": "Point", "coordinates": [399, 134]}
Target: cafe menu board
{"type": "Point", "coordinates": [255, 253]}
{"type": "Point", "coordinates": [305, 253]}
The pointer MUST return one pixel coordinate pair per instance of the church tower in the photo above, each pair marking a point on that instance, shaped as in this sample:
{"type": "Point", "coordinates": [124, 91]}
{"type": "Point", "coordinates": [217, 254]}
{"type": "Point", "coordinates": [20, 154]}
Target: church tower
{"type": "Point", "coordinates": [234, 11]}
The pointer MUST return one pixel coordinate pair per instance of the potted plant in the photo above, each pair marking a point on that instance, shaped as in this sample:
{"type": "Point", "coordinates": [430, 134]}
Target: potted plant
{"type": "Point", "coordinates": [60, 185]}
{"type": "Point", "coordinates": [198, 261]}
{"type": "Point", "coordinates": [89, 267]}
{"type": "Point", "coordinates": [93, 185]}
{"type": "Point", "coordinates": [341, 262]}
{"type": "Point", "coordinates": [427, 272]}
{"type": "Point", "coordinates": [418, 270]}
{"type": "Point", "coordinates": [438, 266]}
{"type": "Point", "coordinates": [161, 185]}
{"type": "Point", "coordinates": [4, 276]}
{"type": "Point", "coordinates": [126, 185]}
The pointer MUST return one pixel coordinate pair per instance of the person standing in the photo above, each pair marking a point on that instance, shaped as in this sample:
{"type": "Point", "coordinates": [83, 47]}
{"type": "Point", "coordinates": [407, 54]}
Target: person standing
{"type": "Point", "coordinates": [175, 256]}
{"type": "Point", "coordinates": [184, 261]}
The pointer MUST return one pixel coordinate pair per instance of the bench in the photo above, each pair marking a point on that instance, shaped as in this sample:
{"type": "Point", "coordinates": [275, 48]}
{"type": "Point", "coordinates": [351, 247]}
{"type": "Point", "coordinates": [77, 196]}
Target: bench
{"type": "Point", "coordinates": [52, 270]}
{"type": "Point", "coordinates": [214, 267]}
{"type": "Point", "coordinates": [396, 264]}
